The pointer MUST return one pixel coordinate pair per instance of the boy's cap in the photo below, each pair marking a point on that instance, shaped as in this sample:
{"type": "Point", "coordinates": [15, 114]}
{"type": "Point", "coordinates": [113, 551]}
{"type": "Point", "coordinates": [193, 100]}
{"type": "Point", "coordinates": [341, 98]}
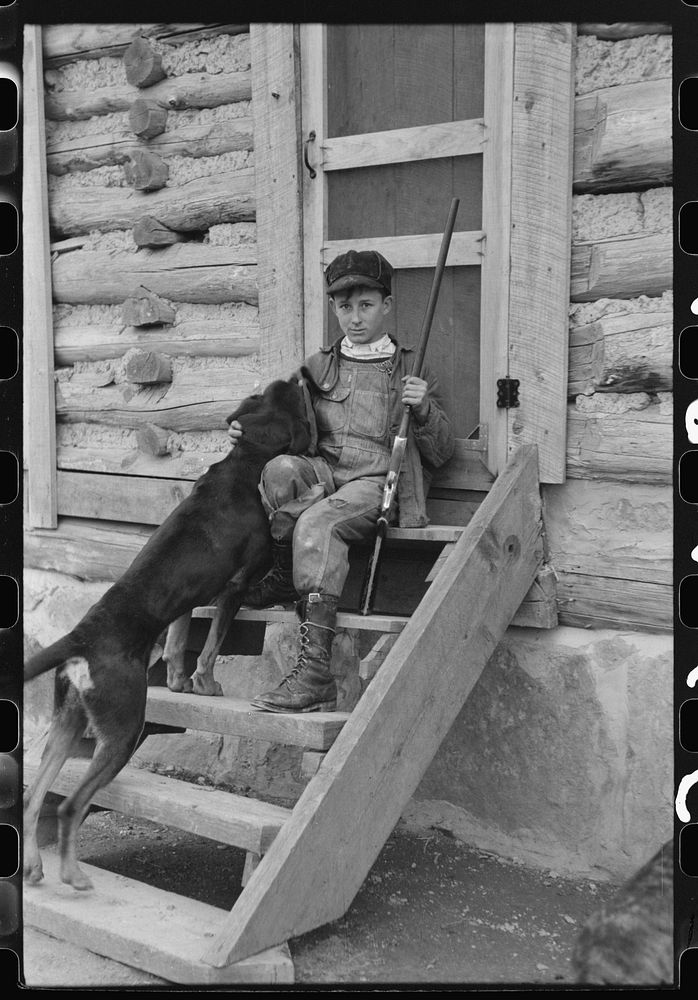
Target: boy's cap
{"type": "Point", "coordinates": [359, 267]}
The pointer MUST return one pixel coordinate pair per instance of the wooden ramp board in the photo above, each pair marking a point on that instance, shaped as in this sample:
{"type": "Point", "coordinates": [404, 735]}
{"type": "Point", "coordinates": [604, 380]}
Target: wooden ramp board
{"type": "Point", "coordinates": [150, 929]}
{"type": "Point", "coordinates": [345, 619]}
{"type": "Point", "coordinates": [206, 812]}
{"type": "Point", "coordinates": [234, 717]}
{"type": "Point", "coordinates": [322, 855]}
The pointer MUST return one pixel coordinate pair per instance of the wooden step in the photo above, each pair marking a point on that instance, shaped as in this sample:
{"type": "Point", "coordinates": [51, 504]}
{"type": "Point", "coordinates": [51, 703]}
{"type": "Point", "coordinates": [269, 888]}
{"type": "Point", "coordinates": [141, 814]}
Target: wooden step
{"type": "Point", "coordinates": [150, 929]}
{"type": "Point", "coordinates": [207, 812]}
{"type": "Point", "coordinates": [279, 613]}
{"type": "Point", "coordinates": [234, 717]}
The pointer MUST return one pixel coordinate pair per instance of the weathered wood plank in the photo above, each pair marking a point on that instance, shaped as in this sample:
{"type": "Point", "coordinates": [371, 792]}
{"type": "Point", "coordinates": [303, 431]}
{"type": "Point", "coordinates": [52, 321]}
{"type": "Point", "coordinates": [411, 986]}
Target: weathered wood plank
{"type": "Point", "coordinates": [186, 465]}
{"type": "Point", "coordinates": [192, 90]}
{"type": "Point", "coordinates": [91, 151]}
{"type": "Point", "coordinates": [89, 550]}
{"type": "Point", "coordinates": [622, 268]}
{"type": "Point", "coordinates": [192, 207]}
{"type": "Point", "coordinates": [65, 43]}
{"type": "Point", "coordinates": [461, 138]}
{"type": "Point", "coordinates": [497, 225]}
{"type": "Point", "coordinates": [634, 446]}
{"type": "Point", "coordinates": [234, 717]}
{"type": "Point", "coordinates": [276, 108]}
{"type": "Point", "coordinates": [194, 400]}
{"type": "Point", "coordinates": [622, 352]}
{"type": "Point", "coordinates": [622, 137]}
{"type": "Point", "coordinates": [541, 212]}
{"type": "Point", "coordinates": [413, 251]}
{"type": "Point", "coordinates": [466, 469]}
{"type": "Point", "coordinates": [355, 799]}
{"type": "Point", "coordinates": [624, 29]}
{"type": "Point", "coordinates": [124, 498]}
{"type": "Point", "coordinates": [591, 601]}
{"type": "Point", "coordinates": [186, 272]}
{"type": "Point", "coordinates": [40, 433]}
{"type": "Point", "coordinates": [610, 530]}
{"type": "Point", "coordinates": [157, 931]}
{"type": "Point", "coordinates": [201, 338]}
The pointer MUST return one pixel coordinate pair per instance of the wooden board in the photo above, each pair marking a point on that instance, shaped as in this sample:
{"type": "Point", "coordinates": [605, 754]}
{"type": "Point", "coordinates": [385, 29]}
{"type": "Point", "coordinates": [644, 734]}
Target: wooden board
{"type": "Point", "coordinates": [186, 272]}
{"type": "Point", "coordinates": [412, 251]}
{"type": "Point", "coordinates": [233, 717]}
{"type": "Point", "coordinates": [590, 601]}
{"type": "Point", "coordinates": [192, 90]}
{"type": "Point", "coordinates": [313, 47]}
{"type": "Point", "coordinates": [198, 809]}
{"type": "Point", "coordinates": [622, 268]}
{"type": "Point", "coordinates": [425, 142]}
{"type": "Point", "coordinates": [351, 805]}
{"type": "Point", "coordinates": [541, 213]}
{"type": "Point", "coordinates": [496, 222]}
{"type": "Point", "coordinates": [143, 927]}
{"type": "Point", "coordinates": [227, 196]}
{"type": "Point", "coordinates": [622, 137]}
{"type": "Point", "coordinates": [67, 42]}
{"type": "Point", "coordinates": [633, 446]}
{"type": "Point", "coordinates": [40, 433]}
{"type": "Point", "coordinates": [275, 105]}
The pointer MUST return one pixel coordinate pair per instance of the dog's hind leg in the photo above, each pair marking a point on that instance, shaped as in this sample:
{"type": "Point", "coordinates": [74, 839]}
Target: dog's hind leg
{"type": "Point", "coordinates": [117, 739]}
{"type": "Point", "coordinates": [173, 654]}
{"type": "Point", "coordinates": [65, 732]}
{"type": "Point", "coordinates": [228, 605]}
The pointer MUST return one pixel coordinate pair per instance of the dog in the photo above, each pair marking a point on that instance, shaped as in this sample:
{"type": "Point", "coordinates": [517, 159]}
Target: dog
{"type": "Point", "coordinates": [216, 542]}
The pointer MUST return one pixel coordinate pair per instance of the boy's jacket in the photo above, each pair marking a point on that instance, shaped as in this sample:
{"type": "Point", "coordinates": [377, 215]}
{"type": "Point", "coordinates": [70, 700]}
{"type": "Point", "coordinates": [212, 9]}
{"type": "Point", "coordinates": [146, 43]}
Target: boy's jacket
{"type": "Point", "coordinates": [429, 445]}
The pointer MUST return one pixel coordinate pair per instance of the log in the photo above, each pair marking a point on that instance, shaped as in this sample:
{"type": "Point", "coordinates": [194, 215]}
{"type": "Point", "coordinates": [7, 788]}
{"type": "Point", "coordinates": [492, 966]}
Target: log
{"type": "Point", "coordinates": [634, 446]}
{"type": "Point", "coordinates": [148, 367]}
{"type": "Point", "coordinates": [191, 207]}
{"type": "Point", "coordinates": [148, 232]}
{"type": "Point", "coordinates": [622, 352]}
{"type": "Point", "coordinates": [594, 528]}
{"type": "Point", "coordinates": [618, 30]}
{"type": "Point", "coordinates": [64, 43]}
{"type": "Point", "coordinates": [186, 465]}
{"type": "Point", "coordinates": [591, 601]}
{"type": "Point", "coordinates": [622, 137]}
{"type": "Point", "coordinates": [193, 90]}
{"type": "Point", "coordinates": [142, 64]}
{"type": "Point", "coordinates": [185, 272]}
{"type": "Point", "coordinates": [146, 309]}
{"type": "Point", "coordinates": [201, 338]}
{"type": "Point", "coordinates": [88, 549]}
{"type": "Point", "coordinates": [146, 171]}
{"type": "Point", "coordinates": [196, 400]}
{"type": "Point", "coordinates": [622, 268]}
{"type": "Point", "coordinates": [152, 440]}
{"type": "Point", "coordinates": [146, 118]}
{"type": "Point", "coordinates": [91, 151]}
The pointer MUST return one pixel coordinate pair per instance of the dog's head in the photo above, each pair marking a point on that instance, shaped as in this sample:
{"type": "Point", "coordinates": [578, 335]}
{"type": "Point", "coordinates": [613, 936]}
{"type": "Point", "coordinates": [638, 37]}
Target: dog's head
{"type": "Point", "coordinates": [275, 420]}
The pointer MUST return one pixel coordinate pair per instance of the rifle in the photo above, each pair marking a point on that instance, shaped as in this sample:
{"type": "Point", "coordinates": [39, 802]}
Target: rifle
{"type": "Point", "coordinates": [400, 443]}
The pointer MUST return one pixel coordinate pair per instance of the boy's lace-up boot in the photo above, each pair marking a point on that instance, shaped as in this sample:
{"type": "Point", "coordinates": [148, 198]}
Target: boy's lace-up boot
{"type": "Point", "coordinates": [309, 687]}
{"type": "Point", "coordinates": [276, 587]}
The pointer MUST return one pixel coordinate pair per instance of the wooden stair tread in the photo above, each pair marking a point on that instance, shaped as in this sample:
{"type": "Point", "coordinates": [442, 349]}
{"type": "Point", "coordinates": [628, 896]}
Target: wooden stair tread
{"type": "Point", "coordinates": [150, 929]}
{"type": "Point", "coordinates": [235, 717]}
{"type": "Point", "coordinates": [208, 812]}
{"type": "Point", "coordinates": [279, 613]}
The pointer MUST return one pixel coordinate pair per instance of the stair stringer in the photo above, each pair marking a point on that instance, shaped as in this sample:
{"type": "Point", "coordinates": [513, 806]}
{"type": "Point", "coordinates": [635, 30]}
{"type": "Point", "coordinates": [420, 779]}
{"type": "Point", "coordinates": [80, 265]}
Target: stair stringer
{"type": "Point", "coordinates": [321, 856]}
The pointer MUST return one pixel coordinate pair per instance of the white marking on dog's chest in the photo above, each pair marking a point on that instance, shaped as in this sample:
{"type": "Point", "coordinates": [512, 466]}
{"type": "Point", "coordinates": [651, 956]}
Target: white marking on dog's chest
{"type": "Point", "coordinates": [77, 670]}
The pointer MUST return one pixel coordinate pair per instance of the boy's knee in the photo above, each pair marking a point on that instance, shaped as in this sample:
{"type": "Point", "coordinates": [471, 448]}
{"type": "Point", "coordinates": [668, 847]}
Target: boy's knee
{"type": "Point", "coordinates": [278, 480]}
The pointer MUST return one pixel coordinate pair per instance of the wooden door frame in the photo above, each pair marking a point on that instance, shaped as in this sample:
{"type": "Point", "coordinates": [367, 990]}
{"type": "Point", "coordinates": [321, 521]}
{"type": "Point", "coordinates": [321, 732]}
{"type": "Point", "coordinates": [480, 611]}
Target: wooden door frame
{"type": "Point", "coordinates": [526, 139]}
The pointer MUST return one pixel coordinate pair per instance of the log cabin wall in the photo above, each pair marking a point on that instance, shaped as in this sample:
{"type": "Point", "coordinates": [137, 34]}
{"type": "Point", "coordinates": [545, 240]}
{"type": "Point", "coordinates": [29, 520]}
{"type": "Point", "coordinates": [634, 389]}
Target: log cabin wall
{"type": "Point", "coordinates": [156, 325]}
{"type": "Point", "coordinates": [609, 525]}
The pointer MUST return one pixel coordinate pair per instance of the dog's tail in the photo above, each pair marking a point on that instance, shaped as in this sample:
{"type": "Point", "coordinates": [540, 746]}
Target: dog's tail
{"type": "Point", "coordinates": [52, 656]}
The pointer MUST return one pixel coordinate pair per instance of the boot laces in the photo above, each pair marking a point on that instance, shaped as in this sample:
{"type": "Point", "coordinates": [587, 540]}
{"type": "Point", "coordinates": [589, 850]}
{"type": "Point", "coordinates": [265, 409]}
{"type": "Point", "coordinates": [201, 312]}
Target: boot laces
{"type": "Point", "coordinates": [301, 662]}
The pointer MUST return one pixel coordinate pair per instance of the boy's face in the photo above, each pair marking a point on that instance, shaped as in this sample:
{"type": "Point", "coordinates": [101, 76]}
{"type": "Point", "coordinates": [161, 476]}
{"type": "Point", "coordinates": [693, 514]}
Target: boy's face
{"type": "Point", "coordinates": [361, 313]}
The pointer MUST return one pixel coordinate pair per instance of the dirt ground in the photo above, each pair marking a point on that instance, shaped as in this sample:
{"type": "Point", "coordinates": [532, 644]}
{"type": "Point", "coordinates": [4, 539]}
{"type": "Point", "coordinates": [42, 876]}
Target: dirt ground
{"type": "Point", "coordinates": [431, 911]}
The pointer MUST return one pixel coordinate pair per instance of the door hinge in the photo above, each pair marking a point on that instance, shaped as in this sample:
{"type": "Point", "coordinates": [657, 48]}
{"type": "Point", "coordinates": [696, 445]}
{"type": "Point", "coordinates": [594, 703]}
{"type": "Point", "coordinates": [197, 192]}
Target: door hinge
{"type": "Point", "coordinates": [507, 392]}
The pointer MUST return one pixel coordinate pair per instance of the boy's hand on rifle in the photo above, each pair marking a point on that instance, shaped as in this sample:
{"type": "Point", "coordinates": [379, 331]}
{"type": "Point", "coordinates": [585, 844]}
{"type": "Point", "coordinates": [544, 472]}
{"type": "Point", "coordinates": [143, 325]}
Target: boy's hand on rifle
{"type": "Point", "coordinates": [234, 432]}
{"type": "Point", "coordinates": [415, 394]}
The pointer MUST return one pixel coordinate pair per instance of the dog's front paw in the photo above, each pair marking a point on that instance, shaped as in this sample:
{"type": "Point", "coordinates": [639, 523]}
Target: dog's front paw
{"type": "Point", "coordinates": [181, 683]}
{"type": "Point", "coordinates": [33, 870]}
{"type": "Point", "coordinates": [206, 685]}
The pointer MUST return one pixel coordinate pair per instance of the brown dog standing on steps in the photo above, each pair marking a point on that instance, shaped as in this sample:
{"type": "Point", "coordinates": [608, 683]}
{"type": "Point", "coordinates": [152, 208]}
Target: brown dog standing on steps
{"type": "Point", "coordinates": [215, 542]}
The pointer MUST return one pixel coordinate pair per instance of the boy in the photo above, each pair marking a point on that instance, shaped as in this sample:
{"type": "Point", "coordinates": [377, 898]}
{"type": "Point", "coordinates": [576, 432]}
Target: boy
{"type": "Point", "coordinates": [321, 503]}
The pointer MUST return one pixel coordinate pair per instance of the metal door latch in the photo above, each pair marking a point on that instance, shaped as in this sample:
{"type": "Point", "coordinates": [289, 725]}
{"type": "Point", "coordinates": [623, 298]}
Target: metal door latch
{"type": "Point", "coordinates": [507, 393]}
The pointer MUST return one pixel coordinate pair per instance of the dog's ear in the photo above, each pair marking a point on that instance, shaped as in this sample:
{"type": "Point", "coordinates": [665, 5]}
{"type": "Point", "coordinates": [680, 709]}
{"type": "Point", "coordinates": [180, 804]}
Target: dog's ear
{"type": "Point", "coordinates": [248, 405]}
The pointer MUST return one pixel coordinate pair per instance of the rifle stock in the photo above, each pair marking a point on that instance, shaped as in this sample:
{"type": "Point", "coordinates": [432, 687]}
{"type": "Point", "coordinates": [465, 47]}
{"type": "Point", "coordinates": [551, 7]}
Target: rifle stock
{"type": "Point", "coordinates": [400, 442]}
